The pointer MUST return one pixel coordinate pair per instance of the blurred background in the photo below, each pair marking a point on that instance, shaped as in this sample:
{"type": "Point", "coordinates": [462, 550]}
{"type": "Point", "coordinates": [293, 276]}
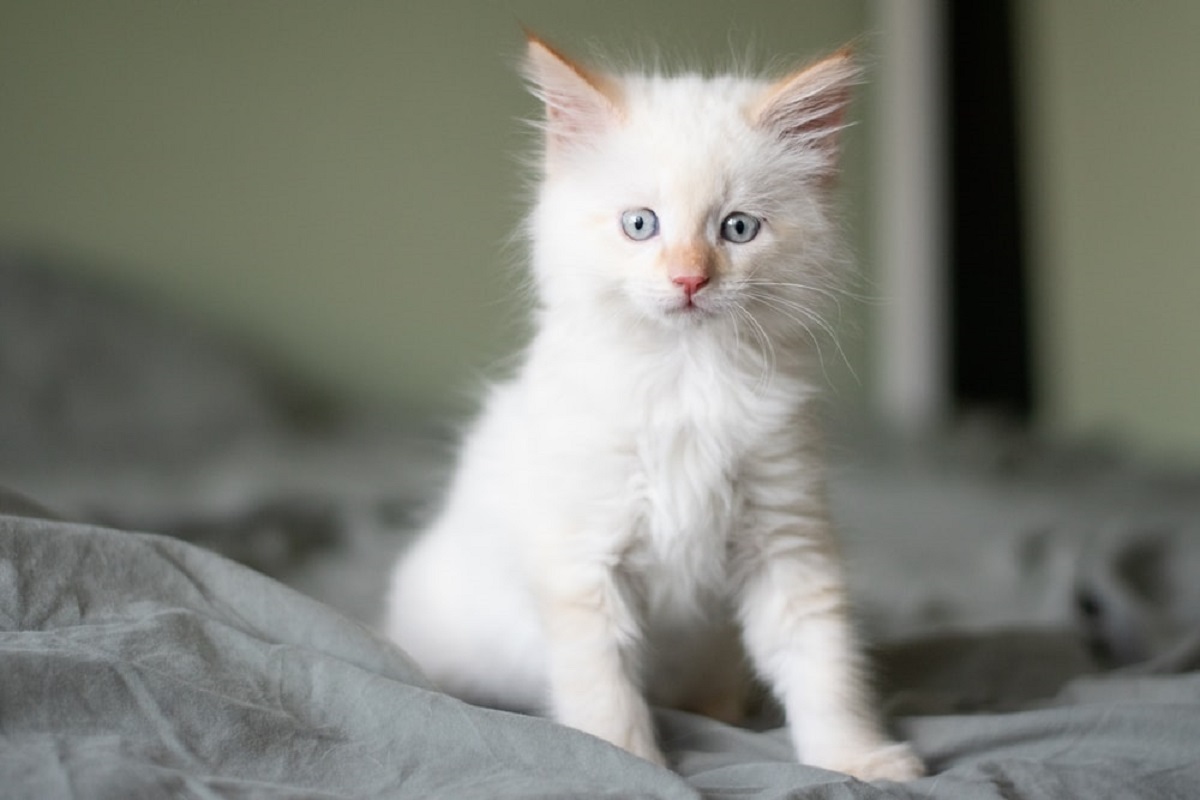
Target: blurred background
{"type": "Point", "coordinates": [336, 185]}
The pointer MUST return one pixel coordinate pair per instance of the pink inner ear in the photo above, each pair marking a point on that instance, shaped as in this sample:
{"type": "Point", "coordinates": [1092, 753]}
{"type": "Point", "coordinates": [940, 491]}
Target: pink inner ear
{"type": "Point", "coordinates": [809, 107]}
{"type": "Point", "coordinates": [817, 119]}
{"type": "Point", "coordinates": [569, 116]}
{"type": "Point", "coordinates": [578, 102]}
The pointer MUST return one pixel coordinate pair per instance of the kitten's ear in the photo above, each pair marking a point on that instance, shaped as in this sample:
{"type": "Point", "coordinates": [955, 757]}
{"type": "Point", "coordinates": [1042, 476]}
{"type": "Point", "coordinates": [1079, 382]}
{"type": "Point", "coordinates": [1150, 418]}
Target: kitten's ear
{"type": "Point", "coordinates": [579, 103]}
{"type": "Point", "coordinates": [808, 107]}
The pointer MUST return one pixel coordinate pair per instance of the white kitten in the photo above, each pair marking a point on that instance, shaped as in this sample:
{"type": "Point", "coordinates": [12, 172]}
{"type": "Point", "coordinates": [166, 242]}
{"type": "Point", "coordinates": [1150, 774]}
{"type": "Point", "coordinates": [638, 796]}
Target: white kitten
{"type": "Point", "coordinates": [642, 505]}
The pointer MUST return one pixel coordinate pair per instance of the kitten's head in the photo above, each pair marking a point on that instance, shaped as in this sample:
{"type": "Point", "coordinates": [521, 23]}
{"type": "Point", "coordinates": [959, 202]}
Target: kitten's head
{"type": "Point", "coordinates": [684, 200]}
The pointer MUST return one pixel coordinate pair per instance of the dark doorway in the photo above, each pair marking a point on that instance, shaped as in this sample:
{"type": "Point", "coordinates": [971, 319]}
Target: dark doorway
{"type": "Point", "coordinates": [991, 363]}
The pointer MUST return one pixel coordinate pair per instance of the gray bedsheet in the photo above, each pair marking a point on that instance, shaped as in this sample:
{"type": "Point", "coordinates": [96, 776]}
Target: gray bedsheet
{"type": "Point", "coordinates": [135, 665]}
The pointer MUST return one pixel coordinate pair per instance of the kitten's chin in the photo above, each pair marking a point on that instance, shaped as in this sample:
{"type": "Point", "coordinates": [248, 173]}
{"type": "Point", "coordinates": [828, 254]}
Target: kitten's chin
{"type": "Point", "coordinates": [683, 317]}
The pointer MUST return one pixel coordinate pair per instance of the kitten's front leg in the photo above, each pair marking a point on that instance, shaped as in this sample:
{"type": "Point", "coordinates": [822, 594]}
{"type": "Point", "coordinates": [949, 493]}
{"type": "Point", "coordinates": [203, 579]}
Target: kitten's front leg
{"type": "Point", "coordinates": [795, 618]}
{"type": "Point", "coordinates": [593, 636]}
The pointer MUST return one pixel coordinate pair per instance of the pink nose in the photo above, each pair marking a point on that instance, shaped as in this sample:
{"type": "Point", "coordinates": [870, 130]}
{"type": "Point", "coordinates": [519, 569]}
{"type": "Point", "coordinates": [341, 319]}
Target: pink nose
{"type": "Point", "coordinates": [690, 283]}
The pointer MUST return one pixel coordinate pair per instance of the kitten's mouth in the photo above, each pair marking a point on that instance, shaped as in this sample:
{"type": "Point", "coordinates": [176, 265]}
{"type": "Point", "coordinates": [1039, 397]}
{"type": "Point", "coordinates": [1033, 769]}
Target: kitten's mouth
{"type": "Point", "coordinates": [686, 307]}
{"type": "Point", "coordinates": [689, 308]}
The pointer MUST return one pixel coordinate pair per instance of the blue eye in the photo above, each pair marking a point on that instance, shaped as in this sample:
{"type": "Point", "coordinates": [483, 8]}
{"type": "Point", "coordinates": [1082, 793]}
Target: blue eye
{"type": "Point", "coordinates": [740, 227]}
{"type": "Point", "coordinates": [639, 224]}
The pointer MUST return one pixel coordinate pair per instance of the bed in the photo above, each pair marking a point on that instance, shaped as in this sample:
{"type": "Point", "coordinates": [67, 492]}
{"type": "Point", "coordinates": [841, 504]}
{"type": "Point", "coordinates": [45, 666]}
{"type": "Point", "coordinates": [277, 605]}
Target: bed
{"type": "Point", "coordinates": [192, 549]}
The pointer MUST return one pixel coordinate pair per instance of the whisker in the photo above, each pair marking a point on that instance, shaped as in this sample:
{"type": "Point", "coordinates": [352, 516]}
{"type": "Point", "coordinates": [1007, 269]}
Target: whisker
{"type": "Point", "coordinates": [790, 309]}
{"type": "Point", "coordinates": [832, 293]}
{"type": "Point", "coordinates": [831, 290]}
{"type": "Point", "coordinates": [767, 372]}
{"type": "Point", "coordinates": [808, 332]}
{"type": "Point", "coordinates": [784, 303]}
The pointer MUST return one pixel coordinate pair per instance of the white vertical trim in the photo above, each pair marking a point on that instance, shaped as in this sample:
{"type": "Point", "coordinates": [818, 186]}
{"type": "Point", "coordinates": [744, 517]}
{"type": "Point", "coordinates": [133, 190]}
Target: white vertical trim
{"type": "Point", "coordinates": [911, 346]}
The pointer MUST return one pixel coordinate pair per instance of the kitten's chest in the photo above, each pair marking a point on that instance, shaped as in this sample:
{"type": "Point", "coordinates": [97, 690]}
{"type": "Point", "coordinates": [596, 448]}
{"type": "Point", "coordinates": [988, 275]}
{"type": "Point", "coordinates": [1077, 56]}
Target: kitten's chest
{"type": "Point", "coordinates": [687, 448]}
{"type": "Point", "coordinates": [654, 451]}
{"type": "Point", "coordinates": [685, 506]}
{"type": "Point", "coordinates": [686, 478]}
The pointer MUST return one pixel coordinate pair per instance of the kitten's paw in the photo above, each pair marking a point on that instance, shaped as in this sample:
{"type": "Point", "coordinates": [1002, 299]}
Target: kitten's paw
{"type": "Point", "coordinates": [622, 719]}
{"type": "Point", "coordinates": [891, 761]}
{"type": "Point", "coordinates": [633, 733]}
{"type": "Point", "coordinates": [642, 744]}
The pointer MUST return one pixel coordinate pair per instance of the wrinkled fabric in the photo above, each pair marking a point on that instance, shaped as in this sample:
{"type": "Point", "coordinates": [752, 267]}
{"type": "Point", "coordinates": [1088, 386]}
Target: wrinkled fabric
{"type": "Point", "coordinates": [137, 666]}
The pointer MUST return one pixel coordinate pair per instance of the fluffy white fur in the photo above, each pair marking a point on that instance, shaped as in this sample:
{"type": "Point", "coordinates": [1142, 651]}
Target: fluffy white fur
{"type": "Point", "coordinates": [642, 506]}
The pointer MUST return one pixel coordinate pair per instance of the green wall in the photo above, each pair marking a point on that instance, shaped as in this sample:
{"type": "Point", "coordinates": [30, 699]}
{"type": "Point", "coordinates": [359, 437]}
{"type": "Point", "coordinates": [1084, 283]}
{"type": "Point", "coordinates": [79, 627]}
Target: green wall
{"type": "Point", "coordinates": [1113, 117]}
{"type": "Point", "coordinates": [335, 182]}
